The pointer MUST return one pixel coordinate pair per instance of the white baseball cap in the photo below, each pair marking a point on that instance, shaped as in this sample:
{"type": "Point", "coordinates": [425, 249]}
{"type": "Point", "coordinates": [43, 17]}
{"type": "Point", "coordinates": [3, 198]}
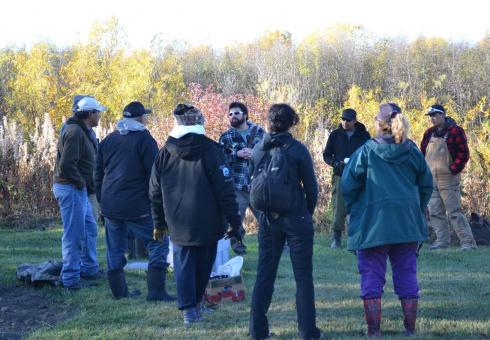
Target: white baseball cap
{"type": "Point", "coordinates": [89, 104]}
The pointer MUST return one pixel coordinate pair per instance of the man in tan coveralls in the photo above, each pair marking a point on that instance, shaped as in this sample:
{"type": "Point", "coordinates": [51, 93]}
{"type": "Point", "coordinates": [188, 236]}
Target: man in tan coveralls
{"type": "Point", "coordinates": [446, 151]}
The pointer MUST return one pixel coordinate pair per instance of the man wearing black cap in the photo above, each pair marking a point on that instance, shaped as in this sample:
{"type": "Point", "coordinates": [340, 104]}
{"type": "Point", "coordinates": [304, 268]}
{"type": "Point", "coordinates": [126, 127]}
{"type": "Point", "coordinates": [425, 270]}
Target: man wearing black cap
{"type": "Point", "coordinates": [341, 144]}
{"type": "Point", "coordinates": [193, 200]}
{"type": "Point", "coordinates": [124, 162]}
{"type": "Point", "coordinates": [446, 150]}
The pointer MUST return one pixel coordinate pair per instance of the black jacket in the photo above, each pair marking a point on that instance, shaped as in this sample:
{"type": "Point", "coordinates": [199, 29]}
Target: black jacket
{"type": "Point", "coordinates": [299, 159]}
{"type": "Point", "coordinates": [75, 156]}
{"type": "Point", "coordinates": [339, 146]}
{"type": "Point", "coordinates": [191, 191]}
{"type": "Point", "coordinates": [122, 174]}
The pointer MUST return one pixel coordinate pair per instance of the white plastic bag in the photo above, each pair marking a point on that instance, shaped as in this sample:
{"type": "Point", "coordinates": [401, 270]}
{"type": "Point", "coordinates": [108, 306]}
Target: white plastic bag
{"type": "Point", "coordinates": [231, 268]}
{"type": "Point", "coordinates": [222, 255]}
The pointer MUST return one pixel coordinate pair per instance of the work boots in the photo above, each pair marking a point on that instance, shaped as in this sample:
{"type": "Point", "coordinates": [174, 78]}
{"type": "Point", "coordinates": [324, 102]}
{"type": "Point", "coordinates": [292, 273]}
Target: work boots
{"type": "Point", "coordinates": [336, 241]}
{"type": "Point", "coordinates": [155, 279]}
{"type": "Point", "coordinates": [409, 307]}
{"type": "Point", "coordinates": [117, 282]}
{"type": "Point", "coordinates": [372, 312]}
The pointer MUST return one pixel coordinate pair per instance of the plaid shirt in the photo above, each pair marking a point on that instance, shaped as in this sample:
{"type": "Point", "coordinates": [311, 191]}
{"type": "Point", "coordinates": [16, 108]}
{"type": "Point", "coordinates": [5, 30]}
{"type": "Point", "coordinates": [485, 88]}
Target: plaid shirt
{"type": "Point", "coordinates": [456, 144]}
{"type": "Point", "coordinates": [233, 142]}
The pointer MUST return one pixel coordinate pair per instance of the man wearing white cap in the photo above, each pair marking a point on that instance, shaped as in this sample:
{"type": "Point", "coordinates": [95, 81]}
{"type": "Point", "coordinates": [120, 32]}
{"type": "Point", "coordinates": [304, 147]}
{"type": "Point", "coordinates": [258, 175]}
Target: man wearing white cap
{"type": "Point", "coordinates": [73, 182]}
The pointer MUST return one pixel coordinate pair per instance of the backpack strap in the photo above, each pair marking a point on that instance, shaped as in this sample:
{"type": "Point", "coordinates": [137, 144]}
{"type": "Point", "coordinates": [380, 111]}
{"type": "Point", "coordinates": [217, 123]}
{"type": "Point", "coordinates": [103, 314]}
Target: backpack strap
{"type": "Point", "coordinates": [251, 137]}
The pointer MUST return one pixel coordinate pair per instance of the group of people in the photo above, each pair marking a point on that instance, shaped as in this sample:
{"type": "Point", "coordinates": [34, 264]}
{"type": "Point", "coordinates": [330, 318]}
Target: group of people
{"type": "Point", "coordinates": [196, 191]}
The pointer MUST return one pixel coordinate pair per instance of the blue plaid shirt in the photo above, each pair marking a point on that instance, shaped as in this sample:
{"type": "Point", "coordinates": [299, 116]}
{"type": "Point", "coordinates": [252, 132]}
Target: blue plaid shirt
{"type": "Point", "coordinates": [233, 142]}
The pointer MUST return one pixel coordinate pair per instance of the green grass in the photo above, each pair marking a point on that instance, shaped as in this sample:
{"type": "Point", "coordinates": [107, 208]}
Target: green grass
{"type": "Point", "coordinates": [455, 297]}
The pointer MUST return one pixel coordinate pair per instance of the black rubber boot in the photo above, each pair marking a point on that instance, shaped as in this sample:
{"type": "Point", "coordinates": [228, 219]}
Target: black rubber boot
{"type": "Point", "coordinates": [155, 278]}
{"type": "Point", "coordinates": [131, 248]}
{"type": "Point", "coordinates": [141, 252]}
{"type": "Point", "coordinates": [117, 282]}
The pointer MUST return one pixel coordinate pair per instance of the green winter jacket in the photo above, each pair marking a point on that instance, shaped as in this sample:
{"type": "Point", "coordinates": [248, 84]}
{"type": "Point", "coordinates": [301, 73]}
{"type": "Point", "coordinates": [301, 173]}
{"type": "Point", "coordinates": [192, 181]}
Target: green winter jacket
{"type": "Point", "coordinates": [386, 188]}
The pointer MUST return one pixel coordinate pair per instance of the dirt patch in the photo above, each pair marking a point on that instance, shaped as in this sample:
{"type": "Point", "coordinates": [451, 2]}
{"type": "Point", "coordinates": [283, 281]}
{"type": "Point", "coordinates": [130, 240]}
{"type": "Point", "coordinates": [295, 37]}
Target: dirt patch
{"type": "Point", "coordinates": [23, 310]}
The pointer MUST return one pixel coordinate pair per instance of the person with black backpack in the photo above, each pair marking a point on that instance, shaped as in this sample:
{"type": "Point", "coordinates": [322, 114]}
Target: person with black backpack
{"type": "Point", "coordinates": [284, 191]}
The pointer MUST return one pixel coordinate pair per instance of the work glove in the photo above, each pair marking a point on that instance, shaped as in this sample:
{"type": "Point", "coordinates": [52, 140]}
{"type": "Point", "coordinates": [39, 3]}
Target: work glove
{"type": "Point", "coordinates": [233, 233]}
{"type": "Point", "coordinates": [159, 233]}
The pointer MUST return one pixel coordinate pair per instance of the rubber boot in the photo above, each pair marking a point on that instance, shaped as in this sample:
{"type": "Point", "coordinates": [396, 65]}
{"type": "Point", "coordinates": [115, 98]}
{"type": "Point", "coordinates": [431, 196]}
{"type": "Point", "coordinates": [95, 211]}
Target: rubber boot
{"type": "Point", "coordinates": [155, 279]}
{"type": "Point", "coordinates": [131, 248]}
{"type": "Point", "coordinates": [141, 252]}
{"type": "Point", "coordinates": [372, 312]}
{"type": "Point", "coordinates": [409, 307]}
{"type": "Point", "coordinates": [117, 282]}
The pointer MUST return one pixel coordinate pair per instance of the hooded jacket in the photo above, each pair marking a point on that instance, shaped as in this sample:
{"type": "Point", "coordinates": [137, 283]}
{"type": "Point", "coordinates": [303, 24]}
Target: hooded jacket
{"type": "Point", "coordinates": [124, 161]}
{"type": "Point", "coordinates": [191, 191]}
{"type": "Point", "coordinates": [386, 189]}
{"type": "Point", "coordinates": [340, 146]}
{"type": "Point", "coordinates": [301, 164]}
{"type": "Point", "coordinates": [75, 156]}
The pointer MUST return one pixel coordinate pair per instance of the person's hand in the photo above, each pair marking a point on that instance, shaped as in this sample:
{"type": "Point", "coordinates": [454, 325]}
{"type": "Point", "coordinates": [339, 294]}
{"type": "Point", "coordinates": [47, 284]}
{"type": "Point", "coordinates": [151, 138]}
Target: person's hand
{"type": "Point", "coordinates": [159, 234]}
{"type": "Point", "coordinates": [233, 233]}
{"type": "Point", "coordinates": [245, 153]}
{"type": "Point", "coordinates": [339, 165]}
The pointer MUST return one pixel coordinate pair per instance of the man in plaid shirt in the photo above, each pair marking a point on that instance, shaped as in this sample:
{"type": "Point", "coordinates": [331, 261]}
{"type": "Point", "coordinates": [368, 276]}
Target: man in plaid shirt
{"type": "Point", "coordinates": [238, 142]}
{"type": "Point", "coordinates": [446, 150]}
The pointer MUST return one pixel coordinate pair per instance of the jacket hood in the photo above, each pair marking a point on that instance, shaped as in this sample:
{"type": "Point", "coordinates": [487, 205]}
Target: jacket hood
{"type": "Point", "coordinates": [360, 127]}
{"type": "Point", "coordinates": [450, 121]}
{"type": "Point", "coordinates": [272, 140]}
{"type": "Point", "coordinates": [74, 120]}
{"type": "Point", "coordinates": [126, 125]}
{"type": "Point", "coordinates": [187, 147]}
{"type": "Point", "coordinates": [391, 152]}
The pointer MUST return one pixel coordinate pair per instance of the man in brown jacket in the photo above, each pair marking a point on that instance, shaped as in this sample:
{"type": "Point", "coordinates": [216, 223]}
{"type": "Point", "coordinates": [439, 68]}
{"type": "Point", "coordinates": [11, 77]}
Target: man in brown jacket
{"type": "Point", "coordinates": [73, 182]}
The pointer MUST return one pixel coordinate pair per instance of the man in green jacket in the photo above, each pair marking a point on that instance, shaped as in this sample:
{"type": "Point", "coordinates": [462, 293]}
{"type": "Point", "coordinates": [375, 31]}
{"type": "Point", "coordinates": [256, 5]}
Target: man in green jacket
{"type": "Point", "coordinates": [73, 182]}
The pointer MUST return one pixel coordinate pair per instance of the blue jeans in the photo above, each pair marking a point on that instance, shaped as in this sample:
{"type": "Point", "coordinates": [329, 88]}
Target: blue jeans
{"type": "Point", "coordinates": [192, 266]}
{"type": "Point", "coordinates": [116, 236]}
{"type": "Point", "coordinates": [79, 241]}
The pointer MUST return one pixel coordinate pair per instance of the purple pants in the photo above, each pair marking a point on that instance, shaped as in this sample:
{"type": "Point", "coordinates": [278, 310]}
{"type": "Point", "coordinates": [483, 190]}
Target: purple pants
{"type": "Point", "coordinates": [372, 267]}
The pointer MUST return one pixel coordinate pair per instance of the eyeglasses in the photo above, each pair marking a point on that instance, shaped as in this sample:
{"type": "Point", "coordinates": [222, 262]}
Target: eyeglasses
{"type": "Point", "coordinates": [347, 120]}
{"type": "Point", "coordinates": [236, 113]}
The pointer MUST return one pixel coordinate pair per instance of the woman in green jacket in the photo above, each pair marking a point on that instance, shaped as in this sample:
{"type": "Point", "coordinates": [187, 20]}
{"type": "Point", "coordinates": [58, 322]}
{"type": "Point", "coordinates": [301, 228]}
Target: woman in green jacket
{"type": "Point", "coordinates": [387, 185]}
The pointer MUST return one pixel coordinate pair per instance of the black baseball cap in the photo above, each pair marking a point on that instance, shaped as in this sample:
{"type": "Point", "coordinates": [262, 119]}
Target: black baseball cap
{"type": "Point", "coordinates": [135, 109]}
{"type": "Point", "coordinates": [349, 114]}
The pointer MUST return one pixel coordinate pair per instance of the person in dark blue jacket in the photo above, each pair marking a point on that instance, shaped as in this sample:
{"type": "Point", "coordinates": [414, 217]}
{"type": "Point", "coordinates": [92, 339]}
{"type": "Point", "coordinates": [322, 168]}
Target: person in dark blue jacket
{"type": "Point", "coordinates": [124, 161]}
{"type": "Point", "coordinates": [193, 200]}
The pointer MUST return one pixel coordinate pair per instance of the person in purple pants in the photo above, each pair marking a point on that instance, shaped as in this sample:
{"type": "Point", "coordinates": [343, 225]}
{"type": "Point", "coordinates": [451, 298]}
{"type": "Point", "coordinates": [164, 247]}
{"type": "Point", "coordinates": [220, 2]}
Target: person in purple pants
{"type": "Point", "coordinates": [387, 185]}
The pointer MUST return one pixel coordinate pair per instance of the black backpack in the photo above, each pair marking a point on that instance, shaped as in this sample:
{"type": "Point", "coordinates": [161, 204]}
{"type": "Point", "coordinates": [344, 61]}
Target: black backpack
{"type": "Point", "coordinates": [274, 186]}
{"type": "Point", "coordinates": [480, 228]}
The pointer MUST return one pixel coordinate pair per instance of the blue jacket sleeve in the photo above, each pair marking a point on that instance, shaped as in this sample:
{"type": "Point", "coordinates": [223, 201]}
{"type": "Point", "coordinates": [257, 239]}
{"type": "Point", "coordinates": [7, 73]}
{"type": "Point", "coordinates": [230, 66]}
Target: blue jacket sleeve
{"type": "Point", "coordinates": [354, 177]}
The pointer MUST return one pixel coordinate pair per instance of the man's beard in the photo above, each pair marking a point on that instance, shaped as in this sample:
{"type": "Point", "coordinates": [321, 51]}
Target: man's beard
{"type": "Point", "coordinates": [236, 122]}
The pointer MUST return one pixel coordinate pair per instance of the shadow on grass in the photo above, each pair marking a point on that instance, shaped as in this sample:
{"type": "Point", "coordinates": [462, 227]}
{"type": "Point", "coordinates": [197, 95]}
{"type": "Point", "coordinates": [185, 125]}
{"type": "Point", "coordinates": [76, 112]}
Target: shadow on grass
{"type": "Point", "coordinates": [455, 297]}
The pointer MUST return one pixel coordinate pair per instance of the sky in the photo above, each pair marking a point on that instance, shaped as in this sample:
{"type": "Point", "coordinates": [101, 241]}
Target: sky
{"type": "Point", "coordinates": [220, 22]}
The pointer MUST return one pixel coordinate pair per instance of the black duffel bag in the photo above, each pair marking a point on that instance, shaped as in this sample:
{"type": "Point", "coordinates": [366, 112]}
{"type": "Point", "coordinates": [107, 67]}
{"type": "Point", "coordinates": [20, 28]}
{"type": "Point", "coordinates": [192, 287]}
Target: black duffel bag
{"type": "Point", "coordinates": [481, 229]}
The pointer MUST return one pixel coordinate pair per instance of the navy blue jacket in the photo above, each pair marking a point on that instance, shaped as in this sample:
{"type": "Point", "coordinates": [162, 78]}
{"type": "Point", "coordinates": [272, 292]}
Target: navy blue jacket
{"type": "Point", "coordinates": [122, 174]}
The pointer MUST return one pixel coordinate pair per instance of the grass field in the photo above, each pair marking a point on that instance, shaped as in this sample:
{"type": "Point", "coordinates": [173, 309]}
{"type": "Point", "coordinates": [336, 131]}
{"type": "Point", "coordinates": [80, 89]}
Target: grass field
{"type": "Point", "coordinates": [455, 297]}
